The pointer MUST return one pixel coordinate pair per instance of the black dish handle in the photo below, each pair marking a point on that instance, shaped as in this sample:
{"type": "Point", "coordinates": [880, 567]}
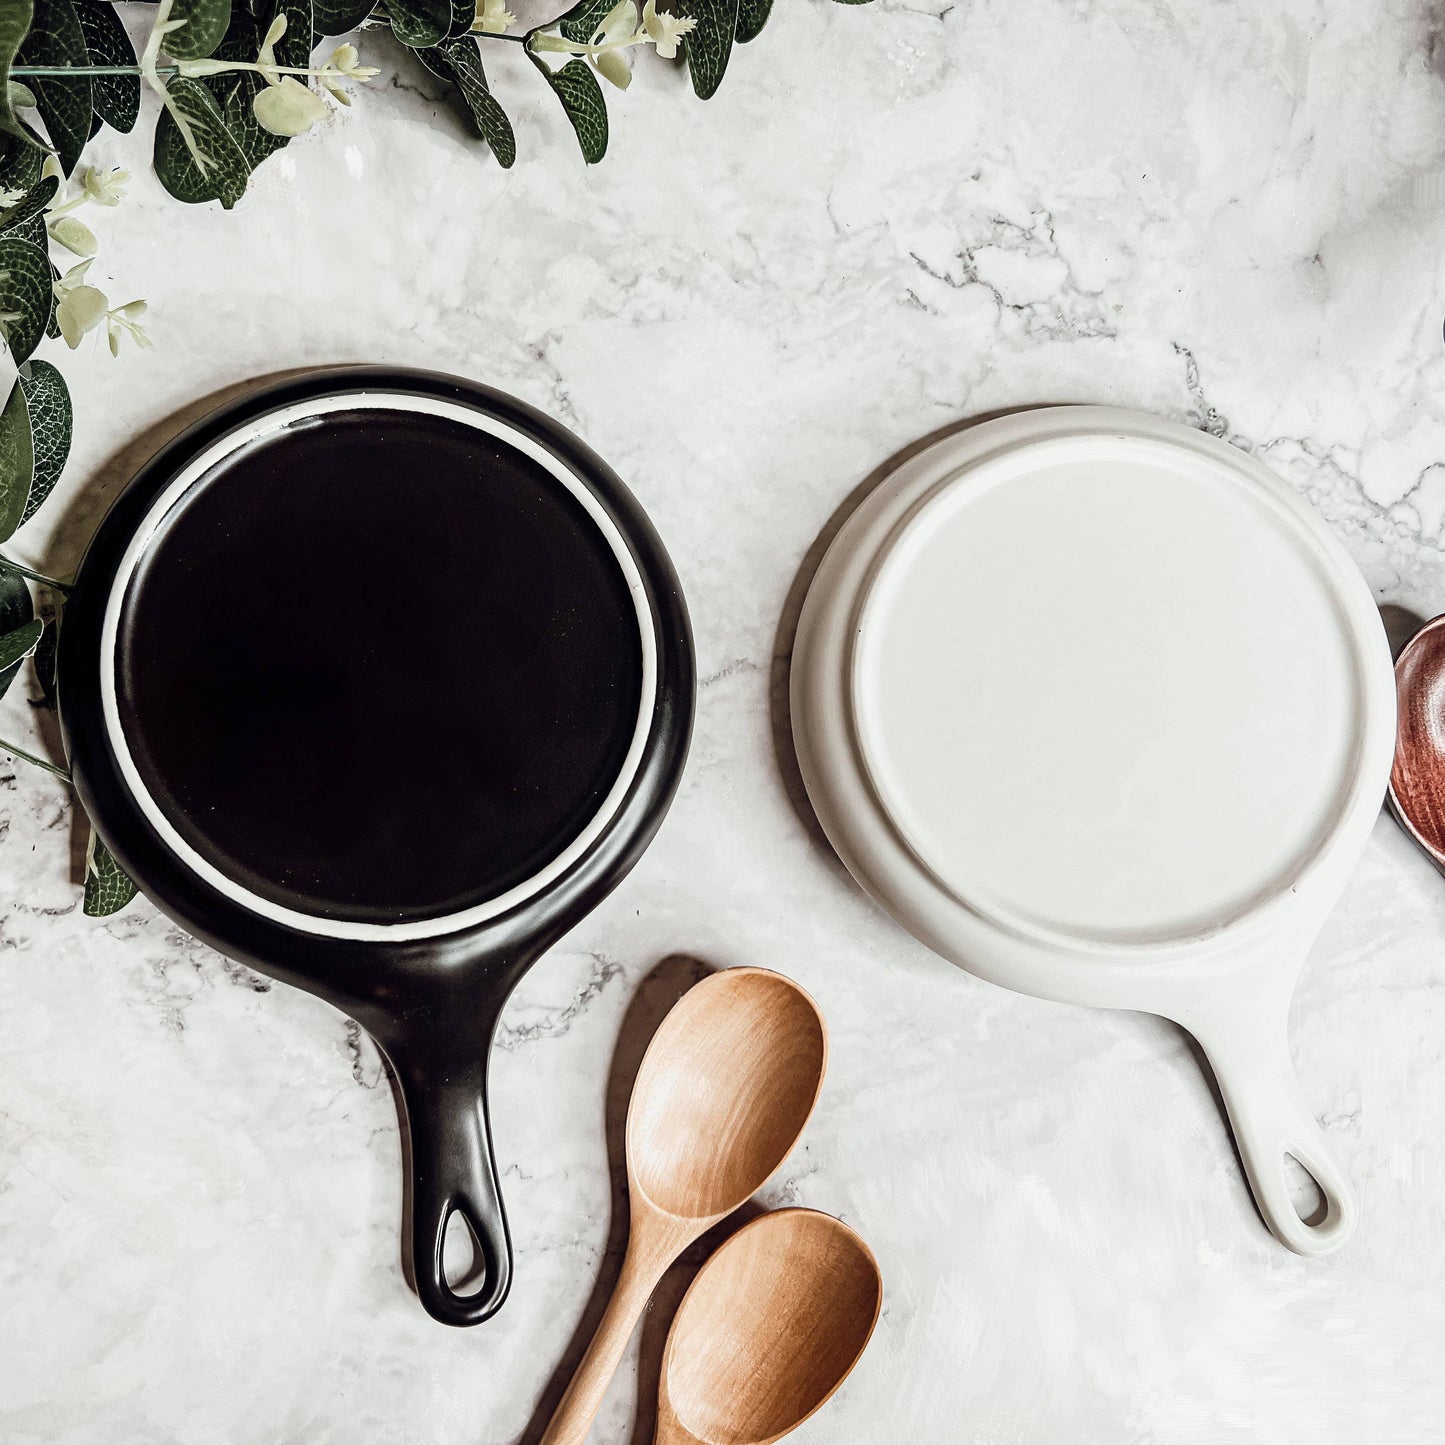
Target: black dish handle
{"type": "Point", "coordinates": [452, 1170]}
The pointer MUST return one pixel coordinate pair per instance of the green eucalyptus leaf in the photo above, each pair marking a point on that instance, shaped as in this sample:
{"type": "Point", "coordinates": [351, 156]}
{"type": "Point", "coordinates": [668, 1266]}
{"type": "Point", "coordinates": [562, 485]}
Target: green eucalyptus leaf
{"type": "Point", "coordinates": [581, 98]}
{"type": "Point", "coordinates": [65, 103]}
{"type": "Point", "coordinates": [752, 16]}
{"type": "Point", "coordinates": [15, 18]}
{"type": "Point", "coordinates": [420, 22]}
{"type": "Point", "coordinates": [203, 25]}
{"type": "Point", "coordinates": [581, 21]}
{"type": "Point", "coordinates": [16, 646]}
{"type": "Point", "coordinates": [464, 13]}
{"type": "Point", "coordinates": [236, 100]}
{"type": "Point", "coordinates": [16, 609]}
{"type": "Point", "coordinates": [21, 95]}
{"type": "Point", "coordinates": [17, 462]}
{"type": "Point", "coordinates": [20, 161]}
{"type": "Point", "coordinates": [32, 203]}
{"type": "Point", "coordinates": [222, 171]}
{"type": "Point", "coordinates": [107, 887]}
{"type": "Point", "coordinates": [16, 605]}
{"type": "Point", "coordinates": [51, 420]}
{"type": "Point", "coordinates": [35, 232]}
{"type": "Point", "coordinates": [52, 326]}
{"type": "Point", "coordinates": [460, 62]}
{"type": "Point", "coordinates": [25, 294]}
{"type": "Point", "coordinates": [340, 17]}
{"type": "Point", "coordinates": [116, 97]}
{"type": "Point", "coordinates": [241, 42]}
{"type": "Point", "coordinates": [709, 44]}
{"type": "Point", "coordinates": [296, 45]}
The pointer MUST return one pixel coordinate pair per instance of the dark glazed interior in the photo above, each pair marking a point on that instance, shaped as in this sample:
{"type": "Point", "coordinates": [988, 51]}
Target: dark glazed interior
{"type": "Point", "coordinates": [379, 667]}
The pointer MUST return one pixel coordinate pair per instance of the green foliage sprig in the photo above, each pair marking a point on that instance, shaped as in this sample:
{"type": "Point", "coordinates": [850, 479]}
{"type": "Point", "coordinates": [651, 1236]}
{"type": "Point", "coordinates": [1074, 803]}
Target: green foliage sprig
{"type": "Point", "coordinates": [236, 80]}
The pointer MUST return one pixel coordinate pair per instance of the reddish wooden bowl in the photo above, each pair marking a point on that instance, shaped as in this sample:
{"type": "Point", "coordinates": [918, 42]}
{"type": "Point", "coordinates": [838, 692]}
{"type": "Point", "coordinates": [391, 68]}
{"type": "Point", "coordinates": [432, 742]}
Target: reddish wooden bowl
{"type": "Point", "coordinates": [1417, 780]}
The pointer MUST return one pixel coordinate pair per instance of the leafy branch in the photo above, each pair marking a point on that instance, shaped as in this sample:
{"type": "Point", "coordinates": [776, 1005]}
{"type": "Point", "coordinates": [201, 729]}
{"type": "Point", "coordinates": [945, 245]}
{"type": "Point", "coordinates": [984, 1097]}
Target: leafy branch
{"type": "Point", "coordinates": [236, 80]}
{"type": "Point", "coordinates": [252, 59]}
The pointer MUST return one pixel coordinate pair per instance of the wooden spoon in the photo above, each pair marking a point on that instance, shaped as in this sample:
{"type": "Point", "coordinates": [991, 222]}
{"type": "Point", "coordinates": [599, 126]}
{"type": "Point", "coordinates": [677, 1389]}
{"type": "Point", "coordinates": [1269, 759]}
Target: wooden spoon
{"type": "Point", "coordinates": [725, 1088]}
{"type": "Point", "coordinates": [769, 1329]}
{"type": "Point", "coordinates": [1417, 780]}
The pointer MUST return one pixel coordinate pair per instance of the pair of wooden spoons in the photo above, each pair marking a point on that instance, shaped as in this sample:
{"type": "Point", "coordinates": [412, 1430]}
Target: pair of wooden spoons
{"type": "Point", "coordinates": [779, 1315]}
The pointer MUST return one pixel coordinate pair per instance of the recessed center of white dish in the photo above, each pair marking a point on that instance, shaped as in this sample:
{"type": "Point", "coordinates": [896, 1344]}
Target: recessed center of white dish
{"type": "Point", "coordinates": [1102, 685]}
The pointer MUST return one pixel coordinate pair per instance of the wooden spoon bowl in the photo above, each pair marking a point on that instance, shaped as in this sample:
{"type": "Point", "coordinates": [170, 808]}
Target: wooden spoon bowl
{"type": "Point", "coordinates": [1417, 780]}
{"type": "Point", "coordinates": [723, 1092]}
{"type": "Point", "coordinates": [769, 1329]}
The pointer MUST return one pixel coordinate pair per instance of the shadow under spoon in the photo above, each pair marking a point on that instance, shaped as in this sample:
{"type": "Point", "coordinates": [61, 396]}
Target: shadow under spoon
{"type": "Point", "coordinates": [725, 1089]}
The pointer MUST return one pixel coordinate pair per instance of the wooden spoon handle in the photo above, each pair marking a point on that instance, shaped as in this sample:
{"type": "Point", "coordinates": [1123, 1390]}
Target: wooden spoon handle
{"type": "Point", "coordinates": [644, 1266]}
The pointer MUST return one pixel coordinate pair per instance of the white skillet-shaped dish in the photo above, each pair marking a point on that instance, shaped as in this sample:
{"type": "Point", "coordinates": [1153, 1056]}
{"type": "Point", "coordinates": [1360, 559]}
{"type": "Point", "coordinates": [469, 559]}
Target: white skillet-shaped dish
{"type": "Point", "coordinates": [1097, 708]}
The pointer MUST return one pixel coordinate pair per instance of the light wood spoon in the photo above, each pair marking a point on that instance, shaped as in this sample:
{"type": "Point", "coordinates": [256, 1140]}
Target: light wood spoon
{"type": "Point", "coordinates": [725, 1088]}
{"type": "Point", "coordinates": [770, 1327]}
{"type": "Point", "coordinates": [1417, 780]}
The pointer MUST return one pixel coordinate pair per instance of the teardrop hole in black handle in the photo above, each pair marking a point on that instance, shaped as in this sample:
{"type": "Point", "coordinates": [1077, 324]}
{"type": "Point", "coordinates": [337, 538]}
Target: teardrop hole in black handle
{"type": "Point", "coordinates": [464, 1264]}
{"type": "Point", "coordinates": [454, 1178]}
{"type": "Point", "coordinates": [475, 1291]}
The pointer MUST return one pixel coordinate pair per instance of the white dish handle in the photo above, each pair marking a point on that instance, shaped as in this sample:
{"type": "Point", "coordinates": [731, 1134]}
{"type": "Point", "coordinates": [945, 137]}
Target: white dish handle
{"type": "Point", "coordinates": [1241, 1024]}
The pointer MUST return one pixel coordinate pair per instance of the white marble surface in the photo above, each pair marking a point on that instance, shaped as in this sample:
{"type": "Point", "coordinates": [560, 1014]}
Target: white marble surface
{"type": "Point", "coordinates": [891, 218]}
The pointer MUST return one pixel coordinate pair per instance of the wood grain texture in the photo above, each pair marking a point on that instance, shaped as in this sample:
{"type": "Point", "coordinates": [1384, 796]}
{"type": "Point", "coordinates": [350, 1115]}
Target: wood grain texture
{"type": "Point", "coordinates": [770, 1328]}
{"type": "Point", "coordinates": [1417, 780]}
{"type": "Point", "coordinates": [725, 1089]}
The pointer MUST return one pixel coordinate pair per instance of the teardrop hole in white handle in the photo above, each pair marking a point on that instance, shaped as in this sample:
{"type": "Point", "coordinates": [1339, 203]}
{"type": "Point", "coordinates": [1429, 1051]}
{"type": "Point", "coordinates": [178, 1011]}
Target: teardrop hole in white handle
{"type": "Point", "coordinates": [1304, 1189]}
{"type": "Point", "coordinates": [1278, 1137]}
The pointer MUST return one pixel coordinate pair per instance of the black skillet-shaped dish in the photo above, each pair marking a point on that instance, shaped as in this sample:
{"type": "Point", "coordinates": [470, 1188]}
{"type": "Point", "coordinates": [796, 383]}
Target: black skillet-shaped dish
{"type": "Point", "coordinates": [379, 681]}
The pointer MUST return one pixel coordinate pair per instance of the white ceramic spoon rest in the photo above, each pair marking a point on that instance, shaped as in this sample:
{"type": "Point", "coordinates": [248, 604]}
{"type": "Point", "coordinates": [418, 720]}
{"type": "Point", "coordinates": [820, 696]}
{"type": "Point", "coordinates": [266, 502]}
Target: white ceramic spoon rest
{"type": "Point", "coordinates": [1098, 709]}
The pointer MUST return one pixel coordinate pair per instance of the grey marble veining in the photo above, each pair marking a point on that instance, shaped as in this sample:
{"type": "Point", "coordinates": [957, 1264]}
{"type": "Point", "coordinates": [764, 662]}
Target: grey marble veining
{"type": "Point", "coordinates": [890, 218]}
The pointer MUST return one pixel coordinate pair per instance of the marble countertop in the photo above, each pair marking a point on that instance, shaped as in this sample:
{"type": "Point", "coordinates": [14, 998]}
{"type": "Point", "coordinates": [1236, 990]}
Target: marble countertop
{"type": "Point", "coordinates": [891, 218]}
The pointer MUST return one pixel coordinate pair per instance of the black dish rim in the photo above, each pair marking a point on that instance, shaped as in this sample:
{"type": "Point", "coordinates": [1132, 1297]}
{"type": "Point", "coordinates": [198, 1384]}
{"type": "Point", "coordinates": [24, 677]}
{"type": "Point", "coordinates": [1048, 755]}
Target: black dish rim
{"type": "Point", "coordinates": [275, 947]}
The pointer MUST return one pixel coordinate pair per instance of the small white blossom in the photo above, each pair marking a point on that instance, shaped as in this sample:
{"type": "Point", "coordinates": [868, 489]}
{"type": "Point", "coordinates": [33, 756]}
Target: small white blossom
{"type": "Point", "coordinates": [125, 321]}
{"type": "Point", "coordinates": [80, 308]}
{"type": "Point", "coordinates": [346, 58]}
{"type": "Point", "coordinates": [105, 188]}
{"type": "Point", "coordinates": [664, 29]}
{"type": "Point", "coordinates": [493, 17]}
{"type": "Point", "coordinates": [344, 65]}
